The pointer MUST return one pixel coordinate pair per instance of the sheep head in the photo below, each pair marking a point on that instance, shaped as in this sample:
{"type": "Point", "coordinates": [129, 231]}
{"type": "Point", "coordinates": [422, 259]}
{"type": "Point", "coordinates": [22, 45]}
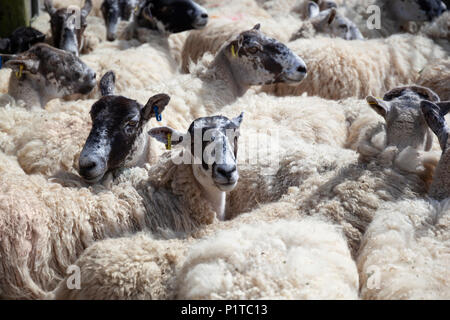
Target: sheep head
{"type": "Point", "coordinates": [68, 25]}
{"type": "Point", "coordinates": [115, 10]}
{"type": "Point", "coordinates": [210, 146]}
{"type": "Point", "coordinates": [332, 23]}
{"type": "Point", "coordinates": [405, 124]}
{"type": "Point", "coordinates": [117, 138]}
{"type": "Point", "coordinates": [434, 116]}
{"type": "Point", "coordinates": [255, 59]}
{"type": "Point", "coordinates": [172, 16]}
{"type": "Point", "coordinates": [53, 73]}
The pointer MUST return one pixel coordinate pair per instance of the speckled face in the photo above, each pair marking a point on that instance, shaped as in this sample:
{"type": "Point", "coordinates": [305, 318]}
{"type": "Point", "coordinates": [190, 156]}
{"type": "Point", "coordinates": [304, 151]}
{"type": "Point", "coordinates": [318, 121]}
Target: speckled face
{"type": "Point", "coordinates": [116, 122]}
{"type": "Point", "coordinates": [257, 59]}
{"type": "Point", "coordinates": [173, 16]}
{"type": "Point", "coordinates": [57, 72]}
{"type": "Point", "coordinates": [116, 139]}
{"type": "Point", "coordinates": [215, 164]}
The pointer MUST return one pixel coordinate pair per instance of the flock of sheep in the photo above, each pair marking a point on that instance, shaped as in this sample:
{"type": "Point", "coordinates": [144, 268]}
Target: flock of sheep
{"type": "Point", "coordinates": [334, 174]}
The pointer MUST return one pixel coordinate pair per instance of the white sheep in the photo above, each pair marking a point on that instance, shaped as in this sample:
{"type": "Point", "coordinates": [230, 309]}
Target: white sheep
{"type": "Point", "coordinates": [405, 253]}
{"type": "Point", "coordinates": [340, 69]}
{"type": "Point", "coordinates": [166, 199]}
{"type": "Point", "coordinates": [266, 260]}
{"type": "Point", "coordinates": [436, 76]}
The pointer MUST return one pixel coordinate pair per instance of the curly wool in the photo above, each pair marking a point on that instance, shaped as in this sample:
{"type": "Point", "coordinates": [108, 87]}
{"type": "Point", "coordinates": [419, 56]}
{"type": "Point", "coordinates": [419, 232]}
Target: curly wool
{"type": "Point", "coordinates": [405, 253]}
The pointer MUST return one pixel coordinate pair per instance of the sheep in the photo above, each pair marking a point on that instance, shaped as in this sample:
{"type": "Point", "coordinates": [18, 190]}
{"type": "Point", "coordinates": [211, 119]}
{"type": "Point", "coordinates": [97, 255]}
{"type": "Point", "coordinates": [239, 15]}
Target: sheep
{"type": "Point", "coordinates": [364, 13]}
{"type": "Point", "coordinates": [67, 35]}
{"type": "Point", "coordinates": [43, 73]}
{"type": "Point", "coordinates": [436, 76]}
{"type": "Point", "coordinates": [24, 141]}
{"type": "Point", "coordinates": [258, 260]}
{"type": "Point", "coordinates": [165, 199]}
{"type": "Point", "coordinates": [210, 40]}
{"type": "Point", "coordinates": [115, 10]}
{"type": "Point", "coordinates": [327, 22]}
{"type": "Point", "coordinates": [344, 186]}
{"type": "Point", "coordinates": [344, 69]}
{"type": "Point", "coordinates": [106, 148]}
{"type": "Point", "coordinates": [434, 115]}
{"type": "Point", "coordinates": [22, 39]}
{"type": "Point", "coordinates": [405, 252]}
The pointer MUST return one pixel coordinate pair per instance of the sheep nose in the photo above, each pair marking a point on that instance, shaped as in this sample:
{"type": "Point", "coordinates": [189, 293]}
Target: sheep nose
{"type": "Point", "coordinates": [226, 170]}
{"type": "Point", "coordinates": [204, 15]}
{"type": "Point", "coordinates": [301, 69]}
{"type": "Point", "coordinates": [91, 168]}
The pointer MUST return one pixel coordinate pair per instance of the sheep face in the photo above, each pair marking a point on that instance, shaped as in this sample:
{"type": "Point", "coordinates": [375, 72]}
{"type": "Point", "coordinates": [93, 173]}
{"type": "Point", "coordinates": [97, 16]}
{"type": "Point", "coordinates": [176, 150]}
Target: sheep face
{"type": "Point", "coordinates": [405, 124]}
{"type": "Point", "coordinates": [68, 26]}
{"type": "Point", "coordinates": [332, 23]}
{"type": "Point", "coordinates": [116, 139]}
{"type": "Point", "coordinates": [211, 146]}
{"type": "Point", "coordinates": [255, 59]}
{"type": "Point", "coordinates": [416, 10]}
{"type": "Point", "coordinates": [434, 115]}
{"type": "Point", "coordinates": [21, 40]}
{"type": "Point", "coordinates": [115, 10]}
{"type": "Point", "coordinates": [172, 16]}
{"type": "Point", "coordinates": [52, 72]}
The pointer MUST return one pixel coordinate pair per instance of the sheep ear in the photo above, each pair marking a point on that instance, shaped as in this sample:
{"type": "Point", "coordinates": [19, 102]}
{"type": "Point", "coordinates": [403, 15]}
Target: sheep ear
{"type": "Point", "coordinates": [162, 134]}
{"type": "Point", "coordinates": [147, 13]}
{"type": "Point", "coordinates": [379, 106]}
{"type": "Point", "coordinates": [257, 26]}
{"type": "Point", "coordinates": [160, 101]}
{"type": "Point", "coordinates": [444, 106]}
{"type": "Point", "coordinates": [313, 10]}
{"type": "Point", "coordinates": [86, 8]}
{"type": "Point", "coordinates": [435, 121]}
{"type": "Point", "coordinates": [28, 64]}
{"type": "Point", "coordinates": [48, 6]}
{"type": "Point", "coordinates": [331, 15]}
{"type": "Point", "coordinates": [107, 84]}
{"type": "Point", "coordinates": [238, 120]}
{"type": "Point", "coordinates": [327, 4]}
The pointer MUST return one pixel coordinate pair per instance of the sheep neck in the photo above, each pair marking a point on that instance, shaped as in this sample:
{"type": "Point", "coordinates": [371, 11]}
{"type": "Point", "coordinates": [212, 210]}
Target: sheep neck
{"type": "Point", "coordinates": [223, 71]}
{"type": "Point", "coordinates": [217, 199]}
{"type": "Point", "coordinates": [24, 89]}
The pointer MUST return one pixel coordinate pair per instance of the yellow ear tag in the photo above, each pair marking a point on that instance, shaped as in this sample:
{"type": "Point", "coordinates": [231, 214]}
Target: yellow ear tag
{"type": "Point", "coordinates": [136, 8]}
{"type": "Point", "coordinates": [233, 53]}
{"type": "Point", "coordinates": [19, 73]}
{"type": "Point", "coordinates": [169, 141]}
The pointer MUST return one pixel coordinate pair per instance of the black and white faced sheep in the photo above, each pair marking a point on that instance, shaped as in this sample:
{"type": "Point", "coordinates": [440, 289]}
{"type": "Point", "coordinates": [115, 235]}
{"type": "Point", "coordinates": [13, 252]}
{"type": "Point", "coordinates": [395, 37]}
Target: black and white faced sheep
{"type": "Point", "coordinates": [21, 40]}
{"type": "Point", "coordinates": [68, 26]}
{"type": "Point", "coordinates": [115, 10]}
{"type": "Point", "coordinates": [117, 138]}
{"type": "Point", "coordinates": [171, 16]}
{"type": "Point", "coordinates": [44, 73]}
{"type": "Point", "coordinates": [434, 115]}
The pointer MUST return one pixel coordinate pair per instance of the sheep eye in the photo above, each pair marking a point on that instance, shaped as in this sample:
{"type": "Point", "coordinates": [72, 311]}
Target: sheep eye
{"type": "Point", "coordinates": [343, 26]}
{"type": "Point", "coordinates": [253, 50]}
{"type": "Point", "coordinates": [132, 123]}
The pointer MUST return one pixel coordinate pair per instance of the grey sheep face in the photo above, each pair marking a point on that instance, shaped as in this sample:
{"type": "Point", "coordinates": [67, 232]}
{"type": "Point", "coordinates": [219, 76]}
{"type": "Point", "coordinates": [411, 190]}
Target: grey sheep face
{"type": "Point", "coordinates": [405, 124]}
{"type": "Point", "coordinates": [54, 73]}
{"type": "Point", "coordinates": [210, 146]}
{"type": "Point", "coordinates": [434, 116]}
{"type": "Point", "coordinates": [331, 23]}
{"type": "Point", "coordinates": [68, 26]}
{"type": "Point", "coordinates": [256, 59]}
{"type": "Point", "coordinates": [116, 139]}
